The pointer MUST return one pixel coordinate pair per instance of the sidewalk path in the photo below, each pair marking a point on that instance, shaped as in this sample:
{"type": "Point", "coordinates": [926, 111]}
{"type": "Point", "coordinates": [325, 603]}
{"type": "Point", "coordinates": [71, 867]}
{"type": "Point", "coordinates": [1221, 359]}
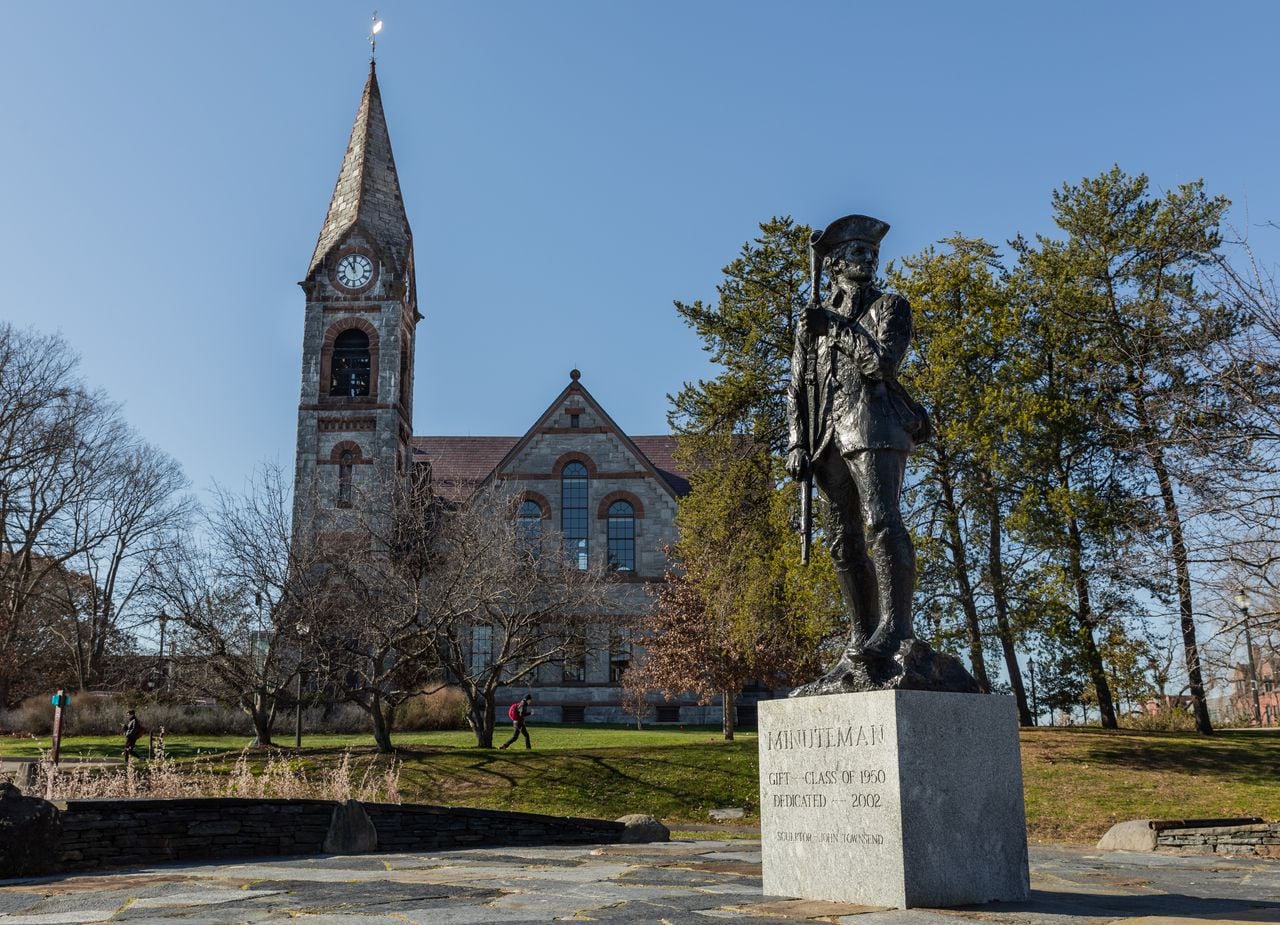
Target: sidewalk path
{"type": "Point", "coordinates": [680, 883]}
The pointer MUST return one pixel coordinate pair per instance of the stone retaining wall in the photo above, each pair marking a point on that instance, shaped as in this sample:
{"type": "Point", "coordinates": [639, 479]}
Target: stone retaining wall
{"type": "Point", "coordinates": [1261, 839]}
{"type": "Point", "coordinates": [1247, 836]}
{"type": "Point", "coordinates": [100, 833]}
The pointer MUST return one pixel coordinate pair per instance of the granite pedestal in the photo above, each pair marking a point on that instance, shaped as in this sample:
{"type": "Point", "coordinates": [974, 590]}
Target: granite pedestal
{"type": "Point", "coordinates": [893, 798]}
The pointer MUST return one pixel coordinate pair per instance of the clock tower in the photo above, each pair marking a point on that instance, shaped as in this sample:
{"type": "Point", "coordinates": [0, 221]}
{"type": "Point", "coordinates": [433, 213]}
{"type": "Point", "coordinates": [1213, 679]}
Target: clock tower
{"type": "Point", "coordinates": [355, 414]}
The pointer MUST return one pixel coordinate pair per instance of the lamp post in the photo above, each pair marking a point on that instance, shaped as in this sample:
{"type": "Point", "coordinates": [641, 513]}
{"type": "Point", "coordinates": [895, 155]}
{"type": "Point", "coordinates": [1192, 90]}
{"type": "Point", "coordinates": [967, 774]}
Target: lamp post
{"type": "Point", "coordinates": [164, 675]}
{"type": "Point", "coordinates": [303, 629]}
{"type": "Point", "coordinates": [1242, 602]}
{"type": "Point", "coordinates": [1035, 707]}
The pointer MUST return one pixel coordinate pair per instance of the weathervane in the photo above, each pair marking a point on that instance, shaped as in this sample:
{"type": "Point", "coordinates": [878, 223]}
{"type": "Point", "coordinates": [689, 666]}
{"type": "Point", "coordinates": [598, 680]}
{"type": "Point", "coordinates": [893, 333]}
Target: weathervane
{"type": "Point", "coordinates": [374, 29]}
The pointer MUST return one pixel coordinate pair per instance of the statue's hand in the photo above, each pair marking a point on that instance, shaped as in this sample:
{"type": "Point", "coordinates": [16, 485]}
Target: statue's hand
{"type": "Point", "coordinates": [797, 463]}
{"type": "Point", "coordinates": [813, 318]}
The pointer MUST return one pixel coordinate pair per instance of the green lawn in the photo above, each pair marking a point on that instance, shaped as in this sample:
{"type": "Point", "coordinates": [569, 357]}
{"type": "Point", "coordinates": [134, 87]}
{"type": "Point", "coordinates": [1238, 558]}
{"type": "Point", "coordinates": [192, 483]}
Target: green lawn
{"type": "Point", "coordinates": [1078, 782]}
{"type": "Point", "coordinates": [545, 738]}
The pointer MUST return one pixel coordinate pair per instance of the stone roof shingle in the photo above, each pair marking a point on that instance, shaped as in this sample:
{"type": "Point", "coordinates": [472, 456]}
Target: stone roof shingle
{"type": "Point", "coordinates": [368, 188]}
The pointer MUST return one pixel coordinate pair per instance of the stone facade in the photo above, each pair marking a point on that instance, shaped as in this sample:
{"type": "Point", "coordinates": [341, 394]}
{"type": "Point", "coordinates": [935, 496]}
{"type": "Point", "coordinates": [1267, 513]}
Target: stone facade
{"type": "Point", "coordinates": [350, 444]}
{"type": "Point", "coordinates": [575, 428]}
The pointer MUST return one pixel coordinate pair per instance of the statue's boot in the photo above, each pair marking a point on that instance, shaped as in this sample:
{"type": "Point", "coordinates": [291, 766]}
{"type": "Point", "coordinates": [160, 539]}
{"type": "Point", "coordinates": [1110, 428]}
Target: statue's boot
{"type": "Point", "coordinates": [895, 571]}
{"type": "Point", "coordinates": [845, 676]}
{"type": "Point", "coordinates": [859, 593]}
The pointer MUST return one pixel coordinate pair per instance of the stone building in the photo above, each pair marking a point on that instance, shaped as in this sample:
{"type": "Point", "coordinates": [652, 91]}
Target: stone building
{"type": "Point", "coordinates": [356, 409]}
{"type": "Point", "coordinates": [611, 495]}
{"type": "Point", "coordinates": [612, 498]}
{"type": "Point", "coordinates": [1242, 684]}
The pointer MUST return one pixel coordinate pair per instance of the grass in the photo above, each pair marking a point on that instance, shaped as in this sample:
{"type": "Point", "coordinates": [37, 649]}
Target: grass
{"type": "Point", "coordinates": [1078, 782]}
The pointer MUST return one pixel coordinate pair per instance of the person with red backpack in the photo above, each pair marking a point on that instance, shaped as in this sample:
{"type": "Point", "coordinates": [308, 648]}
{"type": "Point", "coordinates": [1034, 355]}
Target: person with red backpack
{"type": "Point", "coordinates": [517, 713]}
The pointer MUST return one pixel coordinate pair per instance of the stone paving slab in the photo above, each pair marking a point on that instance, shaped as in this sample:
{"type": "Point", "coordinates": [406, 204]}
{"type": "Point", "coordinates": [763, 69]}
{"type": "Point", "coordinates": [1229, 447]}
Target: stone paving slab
{"type": "Point", "coordinates": [680, 883]}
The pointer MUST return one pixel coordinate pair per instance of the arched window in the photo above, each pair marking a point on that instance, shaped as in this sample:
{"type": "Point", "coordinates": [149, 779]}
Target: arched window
{"type": "Point", "coordinates": [529, 524]}
{"type": "Point", "coordinates": [349, 374]}
{"type": "Point", "coordinates": [573, 512]}
{"type": "Point", "coordinates": [622, 537]}
{"type": "Point", "coordinates": [345, 462]}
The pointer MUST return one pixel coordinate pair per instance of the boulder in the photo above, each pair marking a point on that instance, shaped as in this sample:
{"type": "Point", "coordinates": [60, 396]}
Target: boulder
{"type": "Point", "coordinates": [642, 828]}
{"type": "Point", "coordinates": [1135, 835]}
{"type": "Point", "coordinates": [351, 830]}
{"type": "Point", "coordinates": [30, 834]}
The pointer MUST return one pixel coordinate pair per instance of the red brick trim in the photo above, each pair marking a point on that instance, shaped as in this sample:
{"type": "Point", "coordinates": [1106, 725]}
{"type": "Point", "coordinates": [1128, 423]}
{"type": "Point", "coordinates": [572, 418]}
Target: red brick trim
{"type": "Point", "coordinates": [602, 512]}
{"type": "Point", "coordinates": [576, 430]}
{"type": "Point", "coordinates": [335, 455]}
{"type": "Point", "coordinates": [326, 360]}
{"type": "Point", "coordinates": [557, 467]}
{"type": "Point", "coordinates": [353, 308]}
{"type": "Point", "coordinates": [537, 499]}
{"type": "Point", "coordinates": [340, 425]}
{"type": "Point", "coordinates": [545, 476]}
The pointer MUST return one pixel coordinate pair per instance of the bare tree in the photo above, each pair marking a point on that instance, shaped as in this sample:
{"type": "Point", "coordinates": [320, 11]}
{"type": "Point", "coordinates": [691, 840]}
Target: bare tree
{"type": "Point", "coordinates": [242, 598]}
{"type": "Point", "coordinates": [57, 441]}
{"type": "Point", "coordinates": [412, 593]}
{"type": "Point", "coordinates": [121, 532]}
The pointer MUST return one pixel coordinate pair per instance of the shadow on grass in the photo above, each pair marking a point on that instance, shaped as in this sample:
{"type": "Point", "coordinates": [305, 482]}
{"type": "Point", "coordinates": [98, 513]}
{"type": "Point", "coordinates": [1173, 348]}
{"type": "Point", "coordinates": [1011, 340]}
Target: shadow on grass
{"type": "Point", "coordinates": [1244, 757]}
{"type": "Point", "coordinates": [681, 782]}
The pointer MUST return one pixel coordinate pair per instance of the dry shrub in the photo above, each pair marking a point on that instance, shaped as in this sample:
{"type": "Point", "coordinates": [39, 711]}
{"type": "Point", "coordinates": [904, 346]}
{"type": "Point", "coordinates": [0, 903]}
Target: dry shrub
{"type": "Point", "coordinates": [279, 777]}
{"type": "Point", "coordinates": [104, 715]}
{"type": "Point", "coordinates": [441, 709]}
{"type": "Point", "coordinates": [1170, 718]}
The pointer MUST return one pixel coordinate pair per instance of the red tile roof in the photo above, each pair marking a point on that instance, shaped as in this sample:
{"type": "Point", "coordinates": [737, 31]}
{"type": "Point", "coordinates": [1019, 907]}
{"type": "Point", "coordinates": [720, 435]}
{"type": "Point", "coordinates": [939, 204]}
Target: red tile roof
{"type": "Point", "coordinates": [459, 464]}
{"type": "Point", "coordinates": [661, 452]}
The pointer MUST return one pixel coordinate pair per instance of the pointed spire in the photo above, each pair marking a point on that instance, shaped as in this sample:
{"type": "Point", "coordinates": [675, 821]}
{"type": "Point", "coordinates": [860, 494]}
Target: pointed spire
{"type": "Point", "coordinates": [368, 189]}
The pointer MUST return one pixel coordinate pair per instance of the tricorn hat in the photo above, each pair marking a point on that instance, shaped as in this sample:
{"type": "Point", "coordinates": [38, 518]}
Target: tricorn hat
{"type": "Point", "coordinates": [849, 228]}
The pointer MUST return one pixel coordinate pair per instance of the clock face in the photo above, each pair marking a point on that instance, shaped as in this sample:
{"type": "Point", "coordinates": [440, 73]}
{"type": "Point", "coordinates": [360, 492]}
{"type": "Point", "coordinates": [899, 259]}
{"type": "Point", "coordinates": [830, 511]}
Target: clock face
{"type": "Point", "coordinates": [355, 271]}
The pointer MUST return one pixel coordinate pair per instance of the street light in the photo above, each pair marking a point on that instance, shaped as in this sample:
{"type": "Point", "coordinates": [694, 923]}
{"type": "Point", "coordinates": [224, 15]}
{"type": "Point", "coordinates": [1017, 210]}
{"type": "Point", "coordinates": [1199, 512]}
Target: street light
{"type": "Point", "coordinates": [303, 630]}
{"type": "Point", "coordinates": [164, 675]}
{"type": "Point", "coordinates": [1242, 602]}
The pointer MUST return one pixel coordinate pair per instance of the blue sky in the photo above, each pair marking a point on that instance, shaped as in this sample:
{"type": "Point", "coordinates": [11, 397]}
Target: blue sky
{"type": "Point", "coordinates": [569, 168]}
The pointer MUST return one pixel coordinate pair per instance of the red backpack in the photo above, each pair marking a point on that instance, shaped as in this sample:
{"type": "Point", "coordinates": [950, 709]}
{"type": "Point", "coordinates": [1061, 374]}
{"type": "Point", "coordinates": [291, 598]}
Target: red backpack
{"type": "Point", "coordinates": [513, 712]}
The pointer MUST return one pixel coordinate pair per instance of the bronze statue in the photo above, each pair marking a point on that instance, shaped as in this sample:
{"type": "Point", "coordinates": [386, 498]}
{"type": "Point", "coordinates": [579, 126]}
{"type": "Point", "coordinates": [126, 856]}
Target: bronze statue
{"type": "Point", "coordinates": [852, 427]}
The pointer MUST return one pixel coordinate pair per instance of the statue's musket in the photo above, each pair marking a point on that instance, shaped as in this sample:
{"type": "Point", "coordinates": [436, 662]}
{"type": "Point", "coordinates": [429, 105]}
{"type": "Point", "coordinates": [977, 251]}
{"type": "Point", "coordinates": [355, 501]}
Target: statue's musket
{"type": "Point", "coordinates": [810, 399]}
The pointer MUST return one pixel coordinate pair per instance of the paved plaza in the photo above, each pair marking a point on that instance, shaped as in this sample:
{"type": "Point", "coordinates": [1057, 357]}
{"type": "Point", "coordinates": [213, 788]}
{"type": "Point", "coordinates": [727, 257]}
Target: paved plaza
{"type": "Point", "coordinates": [680, 882]}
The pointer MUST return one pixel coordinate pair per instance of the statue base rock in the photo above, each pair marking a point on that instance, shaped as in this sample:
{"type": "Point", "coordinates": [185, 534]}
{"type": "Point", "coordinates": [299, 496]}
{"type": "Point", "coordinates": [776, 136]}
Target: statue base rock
{"type": "Point", "coordinates": [896, 798]}
{"type": "Point", "coordinates": [913, 667]}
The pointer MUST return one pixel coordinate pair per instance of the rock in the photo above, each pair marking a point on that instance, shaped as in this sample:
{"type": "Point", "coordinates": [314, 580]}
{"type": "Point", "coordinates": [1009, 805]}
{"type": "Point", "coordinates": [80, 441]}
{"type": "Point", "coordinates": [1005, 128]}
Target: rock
{"type": "Point", "coordinates": [913, 667]}
{"type": "Point", "coordinates": [1134, 835]}
{"type": "Point", "coordinates": [351, 831]}
{"type": "Point", "coordinates": [642, 828]}
{"type": "Point", "coordinates": [30, 834]}
{"type": "Point", "coordinates": [728, 812]}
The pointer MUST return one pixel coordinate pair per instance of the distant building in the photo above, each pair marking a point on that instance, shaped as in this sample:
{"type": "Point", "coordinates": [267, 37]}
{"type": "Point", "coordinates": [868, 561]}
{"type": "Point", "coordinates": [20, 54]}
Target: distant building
{"type": "Point", "coordinates": [1242, 687]}
{"type": "Point", "coordinates": [612, 496]}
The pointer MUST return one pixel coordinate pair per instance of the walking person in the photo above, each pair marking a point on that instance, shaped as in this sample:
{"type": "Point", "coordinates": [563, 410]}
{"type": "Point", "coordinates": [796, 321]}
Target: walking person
{"type": "Point", "coordinates": [133, 731]}
{"type": "Point", "coordinates": [518, 712]}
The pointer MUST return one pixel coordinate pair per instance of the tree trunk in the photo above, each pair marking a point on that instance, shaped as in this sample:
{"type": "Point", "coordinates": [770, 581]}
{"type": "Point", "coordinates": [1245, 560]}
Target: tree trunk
{"type": "Point", "coordinates": [960, 563]}
{"type": "Point", "coordinates": [381, 724]}
{"type": "Point", "coordinates": [726, 701]}
{"type": "Point", "coordinates": [1000, 596]}
{"type": "Point", "coordinates": [263, 718]}
{"type": "Point", "coordinates": [480, 715]}
{"type": "Point", "coordinates": [1084, 617]}
{"type": "Point", "coordinates": [1186, 609]}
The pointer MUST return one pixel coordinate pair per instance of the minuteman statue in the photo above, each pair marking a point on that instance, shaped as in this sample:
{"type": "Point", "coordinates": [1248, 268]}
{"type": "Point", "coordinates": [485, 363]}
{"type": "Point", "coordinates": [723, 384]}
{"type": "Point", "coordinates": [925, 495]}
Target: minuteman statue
{"type": "Point", "coordinates": [852, 427]}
